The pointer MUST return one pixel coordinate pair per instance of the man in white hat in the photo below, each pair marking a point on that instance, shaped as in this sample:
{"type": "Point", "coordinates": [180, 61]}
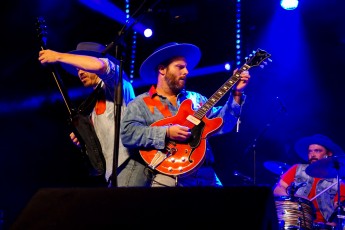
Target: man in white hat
{"type": "Point", "coordinates": [297, 182]}
{"type": "Point", "coordinates": [101, 71]}
{"type": "Point", "coordinates": [160, 123]}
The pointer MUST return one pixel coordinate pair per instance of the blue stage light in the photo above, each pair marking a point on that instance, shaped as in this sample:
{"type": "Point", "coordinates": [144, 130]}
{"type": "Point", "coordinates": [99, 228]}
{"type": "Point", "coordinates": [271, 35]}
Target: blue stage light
{"type": "Point", "coordinates": [289, 4]}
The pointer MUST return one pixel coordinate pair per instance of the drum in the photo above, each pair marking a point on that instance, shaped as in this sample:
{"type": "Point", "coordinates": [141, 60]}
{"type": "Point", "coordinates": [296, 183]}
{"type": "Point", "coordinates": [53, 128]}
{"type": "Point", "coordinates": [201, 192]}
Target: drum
{"type": "Point", "coordinates": [295, 212]}
{"type": "Point", "coordinates": [323, 226]}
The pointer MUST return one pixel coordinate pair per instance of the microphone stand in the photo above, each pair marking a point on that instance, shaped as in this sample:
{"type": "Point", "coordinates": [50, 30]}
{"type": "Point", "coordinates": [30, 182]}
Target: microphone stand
{"type": "Point", "coordinates": [339, 222]}
{"type": "Point", "coordinates": [118, 99]}
{"type": "Point", "coordinates": [253, 148]}
{"type": "Point", "coordinates": [118, 89]}
{"type": "Point", "coordinates": [253, 145]}
{"type": "Point", "coordinates": [118, 104]}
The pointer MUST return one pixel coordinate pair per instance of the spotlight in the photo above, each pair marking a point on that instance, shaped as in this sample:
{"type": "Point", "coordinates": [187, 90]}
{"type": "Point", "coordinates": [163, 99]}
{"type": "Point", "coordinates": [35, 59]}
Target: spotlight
{"type": "Point", "coordinates": [289, 4]}
{"type": "Point", "coordinates": [227, 66]}
{"type": "Point", "coordinates": [110, 10]}
{"type": "Point", "coordinates": [148, 32]}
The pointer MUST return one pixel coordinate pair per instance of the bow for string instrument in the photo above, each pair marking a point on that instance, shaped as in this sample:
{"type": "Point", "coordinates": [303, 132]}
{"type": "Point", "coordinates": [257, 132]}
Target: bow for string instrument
{"type": "Point", "coordinates": [79, 122]}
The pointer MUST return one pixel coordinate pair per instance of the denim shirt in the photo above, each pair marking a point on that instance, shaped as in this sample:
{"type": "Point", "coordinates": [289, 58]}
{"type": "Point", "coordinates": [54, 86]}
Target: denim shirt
{"type": "Point", "coordinates": [326, 200]}
{"type": "Point", "coordinates": [104, 123]}
{"type": "Point", "coordinates": [136, 132]}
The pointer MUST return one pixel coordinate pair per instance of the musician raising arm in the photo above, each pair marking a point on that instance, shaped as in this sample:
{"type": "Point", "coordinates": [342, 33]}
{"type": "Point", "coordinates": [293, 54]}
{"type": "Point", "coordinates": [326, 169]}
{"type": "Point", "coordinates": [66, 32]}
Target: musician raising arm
{"type": "Point", "coordinates": [168, 66]}
{"type": "Point", "coordinates": [101, 72]}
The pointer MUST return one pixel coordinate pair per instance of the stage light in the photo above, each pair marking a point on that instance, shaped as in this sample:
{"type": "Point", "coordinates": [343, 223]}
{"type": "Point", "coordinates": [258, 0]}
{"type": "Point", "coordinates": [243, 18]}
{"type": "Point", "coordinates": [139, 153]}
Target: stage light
{"type": "Point", "coordinates": [227, 66]}
{"type": "Point", "coordinates": [148, 32]}
{"type": "Point", "coordinates": [110, 10]}
{"type": "Point", "coordinates": [289, 4]}
{"type": "Point", "coordinates": [238, 33]}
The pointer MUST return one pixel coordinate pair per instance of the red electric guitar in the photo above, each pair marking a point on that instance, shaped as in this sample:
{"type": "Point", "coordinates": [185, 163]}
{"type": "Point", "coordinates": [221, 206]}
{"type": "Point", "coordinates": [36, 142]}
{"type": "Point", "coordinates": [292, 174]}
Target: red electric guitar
{"type": "Point", "coordinates": [183, 158]}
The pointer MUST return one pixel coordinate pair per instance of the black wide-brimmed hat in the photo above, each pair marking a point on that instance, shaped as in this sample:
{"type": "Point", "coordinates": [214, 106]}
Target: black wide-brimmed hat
{"type": "Point", "coordinates": [91, 49]}
{"type": "Point", "coordinates": [148, 69]}
{"type": "Point", "coordinates": [302, 145]}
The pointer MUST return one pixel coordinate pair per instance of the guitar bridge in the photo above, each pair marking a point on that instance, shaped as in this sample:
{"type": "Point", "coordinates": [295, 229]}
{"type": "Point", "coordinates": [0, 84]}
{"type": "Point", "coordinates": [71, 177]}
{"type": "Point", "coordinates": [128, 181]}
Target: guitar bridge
{"type": "Point", "coordinates": [159, 157]}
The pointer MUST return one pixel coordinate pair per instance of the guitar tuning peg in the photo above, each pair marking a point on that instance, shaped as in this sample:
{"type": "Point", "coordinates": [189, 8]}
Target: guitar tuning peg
{"type": "Point", "coordinates": [269, 59]}
{"type": "Point", "coordinates": [261, 66]}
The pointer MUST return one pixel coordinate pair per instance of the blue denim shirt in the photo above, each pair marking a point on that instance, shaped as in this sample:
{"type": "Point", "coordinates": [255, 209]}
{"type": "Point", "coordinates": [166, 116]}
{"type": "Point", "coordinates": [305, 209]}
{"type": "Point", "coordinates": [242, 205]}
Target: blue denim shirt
{"type": "Point", "coordinates": [136, 132]}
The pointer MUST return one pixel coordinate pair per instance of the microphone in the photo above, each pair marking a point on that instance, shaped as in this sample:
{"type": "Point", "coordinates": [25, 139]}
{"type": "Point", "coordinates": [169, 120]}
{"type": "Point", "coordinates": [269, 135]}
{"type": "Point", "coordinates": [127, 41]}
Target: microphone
{"type": "Point", "coordinates": [292, 189]}
{"type": "Point", "coordinates": [282, 104]}
{"type": "Point", "coordinates": [300, 185]}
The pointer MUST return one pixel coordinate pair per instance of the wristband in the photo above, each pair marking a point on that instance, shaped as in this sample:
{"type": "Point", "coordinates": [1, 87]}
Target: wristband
{"type": "Point", "coordinates": [236, 93]}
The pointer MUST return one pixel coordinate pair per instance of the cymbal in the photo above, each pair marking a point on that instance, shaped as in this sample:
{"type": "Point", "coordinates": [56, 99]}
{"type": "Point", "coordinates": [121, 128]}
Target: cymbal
{"type": "Point", "coordinates": [276, 167]}
{"type": "Point", "coordinates": [330, 167]}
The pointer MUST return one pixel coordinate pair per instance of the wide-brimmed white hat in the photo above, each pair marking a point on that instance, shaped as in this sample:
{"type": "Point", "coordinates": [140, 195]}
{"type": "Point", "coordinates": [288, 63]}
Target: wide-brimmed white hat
{"type": "Point", "coordinates": [91, 49]}
{"type": "Point", "coordinates": [148, 69]}
{"type": "Point", "coordinates": [302, 145]}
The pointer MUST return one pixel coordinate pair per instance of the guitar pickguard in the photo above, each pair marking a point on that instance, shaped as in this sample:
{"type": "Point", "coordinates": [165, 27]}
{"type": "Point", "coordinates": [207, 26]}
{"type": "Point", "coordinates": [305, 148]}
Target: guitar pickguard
{"type": "Point", "coordinates": [196, 134]}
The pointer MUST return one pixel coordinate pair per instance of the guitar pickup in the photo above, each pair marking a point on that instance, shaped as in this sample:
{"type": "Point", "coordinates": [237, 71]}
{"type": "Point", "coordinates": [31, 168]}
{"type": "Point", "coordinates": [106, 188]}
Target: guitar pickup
{"type": "Point", "coordinates": [193, 119]}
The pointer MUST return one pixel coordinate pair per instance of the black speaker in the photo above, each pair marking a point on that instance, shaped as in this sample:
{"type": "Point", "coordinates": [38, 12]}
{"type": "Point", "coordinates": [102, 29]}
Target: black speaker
{"type": "Point", "coordinates": [126, 208]}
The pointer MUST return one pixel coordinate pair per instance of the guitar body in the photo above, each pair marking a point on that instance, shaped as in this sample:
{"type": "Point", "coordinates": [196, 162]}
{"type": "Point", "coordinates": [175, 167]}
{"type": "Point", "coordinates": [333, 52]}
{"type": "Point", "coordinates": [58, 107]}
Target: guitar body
{"type": "Point", "coordinates": [182, 158]}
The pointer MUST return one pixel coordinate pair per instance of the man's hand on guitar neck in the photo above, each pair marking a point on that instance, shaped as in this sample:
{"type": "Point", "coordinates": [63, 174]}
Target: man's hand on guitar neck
{"type": "Point", "coordinates": [240, 86]}
{"type": "Point", "coordinates": [242, 83]}
{"type": "Point", "coordinates": [178, 133]}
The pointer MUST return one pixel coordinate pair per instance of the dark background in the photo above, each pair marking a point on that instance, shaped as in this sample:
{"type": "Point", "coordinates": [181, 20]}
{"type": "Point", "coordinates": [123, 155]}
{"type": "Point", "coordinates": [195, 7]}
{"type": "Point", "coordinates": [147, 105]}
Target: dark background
{"type": "Point", "coordinates": [306, 74]}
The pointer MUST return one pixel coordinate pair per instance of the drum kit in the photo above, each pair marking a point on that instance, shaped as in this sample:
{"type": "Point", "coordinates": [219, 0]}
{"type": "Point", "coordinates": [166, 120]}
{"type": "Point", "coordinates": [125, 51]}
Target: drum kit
{"type": "Point", "coordinates": [298, 213]}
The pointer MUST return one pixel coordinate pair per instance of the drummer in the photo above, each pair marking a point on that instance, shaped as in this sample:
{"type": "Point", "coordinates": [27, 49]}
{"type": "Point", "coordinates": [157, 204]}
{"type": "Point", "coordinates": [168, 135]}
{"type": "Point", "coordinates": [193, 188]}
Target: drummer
{"type": "Point", "coordinates": [296, 182]}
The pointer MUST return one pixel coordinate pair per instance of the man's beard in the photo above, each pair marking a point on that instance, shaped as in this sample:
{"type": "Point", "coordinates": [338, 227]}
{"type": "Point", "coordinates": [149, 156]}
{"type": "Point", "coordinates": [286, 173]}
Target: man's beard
{"type": "Point", "coordinates": [173, 83]}
{"type": "Point", "coordinates": [312, 160]}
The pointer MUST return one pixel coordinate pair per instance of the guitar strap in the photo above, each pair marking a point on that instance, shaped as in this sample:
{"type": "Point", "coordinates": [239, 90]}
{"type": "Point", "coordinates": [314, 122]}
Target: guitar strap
{"type": "Point", "coordinates": [152, 102]}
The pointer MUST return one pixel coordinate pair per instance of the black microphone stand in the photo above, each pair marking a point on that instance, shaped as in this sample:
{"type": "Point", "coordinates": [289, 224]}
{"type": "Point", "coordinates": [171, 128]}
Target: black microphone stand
{"type": "Point", "coordinates": [118, 89]}
{"type": "Point", "coordinates": [118, 98]}
{"type": "Point", "coordinates": [252, 146]}
{"type": "Point", "coordinates": [339, 222]}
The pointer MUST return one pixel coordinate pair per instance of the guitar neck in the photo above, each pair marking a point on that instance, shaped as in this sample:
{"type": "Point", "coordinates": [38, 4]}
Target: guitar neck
{"type": "Point", "coordinates": [220, 92]}
{"type": "Point", "coordinates": [42, 29]}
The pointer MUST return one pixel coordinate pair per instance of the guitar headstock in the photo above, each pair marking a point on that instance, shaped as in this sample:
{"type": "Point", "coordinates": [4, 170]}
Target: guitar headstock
{"type": "Point", "coordinates": [42, 33]}
{"type": "Point", "coordinates": [257, 58]}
